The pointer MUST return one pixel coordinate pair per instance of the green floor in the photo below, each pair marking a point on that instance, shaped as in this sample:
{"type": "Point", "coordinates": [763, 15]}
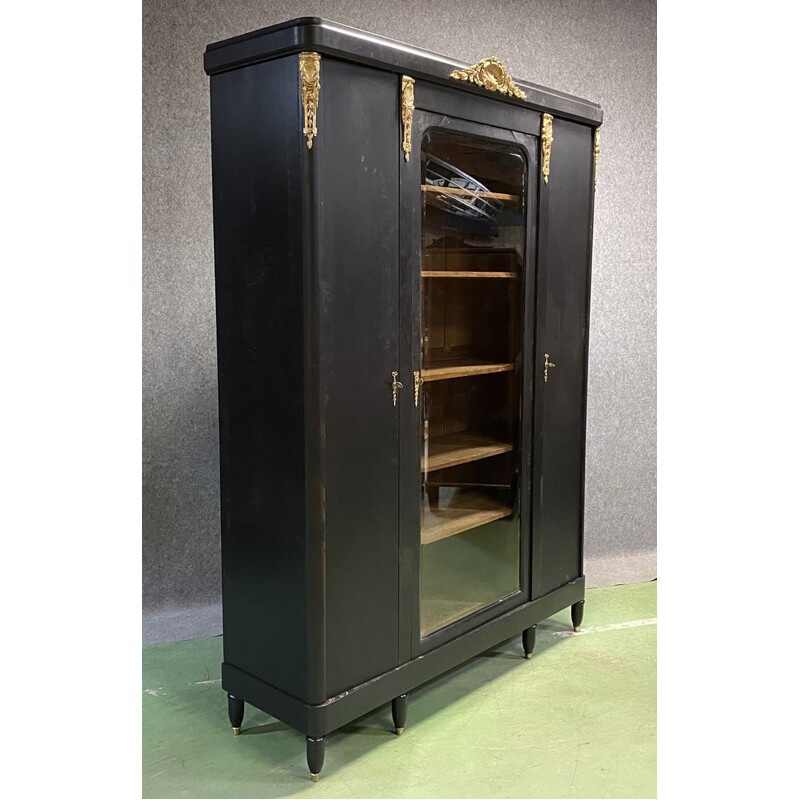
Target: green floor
{"type": "Point", "coordinates": [578, 720]}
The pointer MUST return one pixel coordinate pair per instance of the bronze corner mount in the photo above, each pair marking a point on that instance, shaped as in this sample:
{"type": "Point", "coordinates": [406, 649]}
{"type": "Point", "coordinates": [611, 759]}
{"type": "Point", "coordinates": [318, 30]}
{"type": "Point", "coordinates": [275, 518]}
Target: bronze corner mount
{"type": "Point", "coordinates": [407, 113]}
{"type": "Point", "coordinates": [547, 144]}
{"type": "Point", "coordinates": [309, 92]}
{"type": "Point", "coordinates": [596, 153]}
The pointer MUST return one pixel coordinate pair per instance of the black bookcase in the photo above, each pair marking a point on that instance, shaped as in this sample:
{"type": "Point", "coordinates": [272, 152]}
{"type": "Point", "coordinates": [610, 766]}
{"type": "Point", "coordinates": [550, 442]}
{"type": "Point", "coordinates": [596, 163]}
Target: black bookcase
{"type": "Point", "coordinates": [403, 260]}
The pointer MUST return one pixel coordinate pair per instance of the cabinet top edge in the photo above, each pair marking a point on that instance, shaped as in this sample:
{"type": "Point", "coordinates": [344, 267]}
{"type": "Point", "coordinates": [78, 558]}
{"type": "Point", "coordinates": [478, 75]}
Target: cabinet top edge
{"type": "Point", "coordinates": [342, 41]}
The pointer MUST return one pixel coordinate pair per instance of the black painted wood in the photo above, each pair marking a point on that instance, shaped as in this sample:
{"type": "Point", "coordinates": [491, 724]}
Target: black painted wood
{"type": "Point", "coordinates": [410, 360]}
{"type": "Point", "coordinates": [260, 334]}
{"type": "Point", "coordinates": [317, 280]}
{"type": "Point", "coordinates": [529, 640]}
{"type": "Point", "coordinates": [562, 334]}
{"type": "Point", "coordinates": [235, 712]}
{"type": "Point", "coordinates": [321, 719]}
{"type": "Point", "coordinates": [399, 712]}
{"type": "Point", "coordinates": [341, 41]}
{"type": "Point", "coordinates": [577, 614]}
{"type": "Point", "coordinates": [475, 108]}
{"type": "Point", "coordinates": [315, 755]}
{"type": "Point", "coordinates": [357, 147]}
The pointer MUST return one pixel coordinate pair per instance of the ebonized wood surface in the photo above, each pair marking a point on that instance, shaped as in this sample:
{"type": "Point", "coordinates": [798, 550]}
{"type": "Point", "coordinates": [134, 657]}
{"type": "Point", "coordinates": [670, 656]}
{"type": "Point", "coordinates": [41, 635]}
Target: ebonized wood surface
{"type": "Point", "coordinates": [256, 144]}
{"type": "Point", "coordinates": [334, 39]}
{"type": "Point", "coordinates": [318, 264]}
{"type": "Point", "coordinates": [357, 222]}
{"type": "Point", "coordinates": [562, 305]}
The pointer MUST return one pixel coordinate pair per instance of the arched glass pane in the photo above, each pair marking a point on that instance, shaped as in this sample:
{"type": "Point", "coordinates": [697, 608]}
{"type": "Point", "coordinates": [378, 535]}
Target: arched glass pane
{"type": "Point", "coordinates": [472, 284]}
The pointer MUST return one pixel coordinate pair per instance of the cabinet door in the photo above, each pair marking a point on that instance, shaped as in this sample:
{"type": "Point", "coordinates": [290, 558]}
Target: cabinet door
{"type": "Point", "coordinates": [562, 337]}
{"type": "Point", "coordinates": [356, 214]}
{"type": "Point", "coordinates": [468, 194]}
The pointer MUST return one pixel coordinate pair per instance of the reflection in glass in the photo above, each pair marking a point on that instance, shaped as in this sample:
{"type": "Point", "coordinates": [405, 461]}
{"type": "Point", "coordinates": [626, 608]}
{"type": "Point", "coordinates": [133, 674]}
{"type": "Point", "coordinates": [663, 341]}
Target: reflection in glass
{"type": "Point", "coordinates": [472, 271]}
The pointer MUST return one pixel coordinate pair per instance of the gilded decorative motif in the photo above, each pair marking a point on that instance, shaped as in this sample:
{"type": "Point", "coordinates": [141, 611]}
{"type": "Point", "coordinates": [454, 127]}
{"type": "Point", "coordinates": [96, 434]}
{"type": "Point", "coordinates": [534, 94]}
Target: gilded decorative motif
{"type": "Point", "coordinates": [547, 364]}
{"type": "Point", "coordinates": [491, 74]}
{"type": "Point", "coordinates": [395, 386]}
{"type": "Point", "coordinates": [309, 91]}
{"type": "Point", "coordinates": [596, 153]}
{"type": "Point", "coordinates": [407, 113]}
{"type": "Point", "coordinates": [547, 144]}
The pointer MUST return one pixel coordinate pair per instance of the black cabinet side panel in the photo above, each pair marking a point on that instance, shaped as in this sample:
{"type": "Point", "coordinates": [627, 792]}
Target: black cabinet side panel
{"type": "Point", "coordinates": [562, 303]}
{"type": "Point", "coordinates": [256, 149]}
{"type": "Point", "coordinates": [358, 158]}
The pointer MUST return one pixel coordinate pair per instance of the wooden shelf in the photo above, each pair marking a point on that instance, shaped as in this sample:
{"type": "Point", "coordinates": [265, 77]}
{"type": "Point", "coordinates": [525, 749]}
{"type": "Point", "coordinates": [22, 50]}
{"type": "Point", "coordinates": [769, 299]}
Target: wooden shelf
{"type": "Point", "coordinates": [431, 249]}
{"type": "Point", "coordinates": [465, 511]}
{"type": "Point", "coordinates": [463, 274]}
{"type": "Point", "coordinates": [463, 368]}
{"type": "Point", "coordinates": [434, 484]}
{"type": "Point", "coordinates": [468, 192]}
{"type": "Point", "coordinates": [460, 448]}
{"type": "Point", "coordinates": [470, 262]}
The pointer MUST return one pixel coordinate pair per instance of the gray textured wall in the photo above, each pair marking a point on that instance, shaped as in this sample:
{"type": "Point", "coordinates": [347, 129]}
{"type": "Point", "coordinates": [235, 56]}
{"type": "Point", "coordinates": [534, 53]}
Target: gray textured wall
{"type": "Point", "coordinates": [604, 51]}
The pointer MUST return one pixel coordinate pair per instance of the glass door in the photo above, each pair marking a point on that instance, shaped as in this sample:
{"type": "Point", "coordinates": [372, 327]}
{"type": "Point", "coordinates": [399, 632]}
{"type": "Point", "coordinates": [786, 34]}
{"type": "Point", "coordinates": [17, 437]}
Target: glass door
{"type": "Point", "coordinates": [469, 388]}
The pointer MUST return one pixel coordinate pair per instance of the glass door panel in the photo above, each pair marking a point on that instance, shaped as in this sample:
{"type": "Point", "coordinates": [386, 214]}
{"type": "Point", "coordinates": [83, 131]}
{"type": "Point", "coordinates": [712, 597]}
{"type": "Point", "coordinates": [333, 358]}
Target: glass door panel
{"type": "Point", "coordinates": [472, 281]}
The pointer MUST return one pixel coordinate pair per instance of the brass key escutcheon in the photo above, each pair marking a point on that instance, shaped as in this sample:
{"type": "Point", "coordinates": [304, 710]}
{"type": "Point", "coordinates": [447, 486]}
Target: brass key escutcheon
{"type": "Point", "coordinates": [546, 365]}
{"type": "Point", "coordinates": [395, 386]}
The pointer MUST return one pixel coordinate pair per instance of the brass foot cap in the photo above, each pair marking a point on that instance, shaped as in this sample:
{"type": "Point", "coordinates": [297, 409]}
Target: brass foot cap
{"type": "Point", "coordinates": [237, 731]}
{"type": "Point", "coordinates": [399, 731]}
{"type": "Point", "coordinates": [315, 777]}
{"type": "Point", "coordinates": [528, 655]}
{"type": "Point", "coordinates": [576, 628]}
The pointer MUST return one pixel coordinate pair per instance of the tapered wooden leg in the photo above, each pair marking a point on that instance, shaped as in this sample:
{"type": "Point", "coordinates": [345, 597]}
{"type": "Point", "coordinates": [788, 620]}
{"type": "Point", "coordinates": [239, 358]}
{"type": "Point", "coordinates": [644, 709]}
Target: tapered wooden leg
{"type": "Point", "coordinates": [529, 640]}
{"type": "Point", "coordinates": [399, 709]}
{"type": "Point", "coordinates": [235, 713]}
{"type": "Point", "coordinates": [577, 616]}
{"type": "Point", "coordinates": [315, 754]}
